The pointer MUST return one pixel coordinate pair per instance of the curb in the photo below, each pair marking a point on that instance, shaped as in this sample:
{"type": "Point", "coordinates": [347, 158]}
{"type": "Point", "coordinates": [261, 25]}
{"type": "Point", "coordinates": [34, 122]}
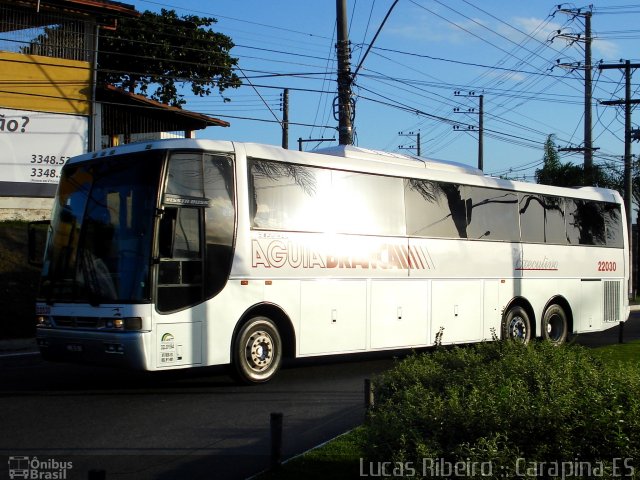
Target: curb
{"type": "Point", "coordinates": [18, 352]}
{"type": "Point", "coordinates": [20, 359]}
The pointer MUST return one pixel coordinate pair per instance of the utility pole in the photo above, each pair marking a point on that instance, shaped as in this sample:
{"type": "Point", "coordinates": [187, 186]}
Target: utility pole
{"type": "Point", "coordinates": [344, 107]}
{"type": "Point", "coordinates": [480, 113]}
{"type": "Point", "coordinates": [481, 133]}
{"type": "Point", "coordinates": [285, 118]}
{"type": "Point", "coordinates": [415, 147]}
{"type": "Point", "coordinates": [628, 137]}
{"type": "Point", "coordinates": [588, 89]}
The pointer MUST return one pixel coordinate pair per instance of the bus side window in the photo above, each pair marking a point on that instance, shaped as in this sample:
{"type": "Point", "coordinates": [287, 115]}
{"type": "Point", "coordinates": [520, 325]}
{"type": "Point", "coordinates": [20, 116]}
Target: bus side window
{"type": "Point", "coordinates": [180, 275]}
{"type": "Point", "coordinates": [166, 232]}
{"type": "Point", "coordinates": [585, 222]}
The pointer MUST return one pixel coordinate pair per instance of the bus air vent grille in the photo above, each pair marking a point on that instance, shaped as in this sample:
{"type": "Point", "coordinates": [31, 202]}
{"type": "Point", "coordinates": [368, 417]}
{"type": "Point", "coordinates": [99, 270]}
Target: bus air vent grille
{"type": "Point", "coordinates": [611, 301]}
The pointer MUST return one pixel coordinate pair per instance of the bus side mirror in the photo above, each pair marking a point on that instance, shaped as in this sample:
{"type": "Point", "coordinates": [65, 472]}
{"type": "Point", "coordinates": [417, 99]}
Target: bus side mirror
{"type": "Point", "coordinates": [36, 241]}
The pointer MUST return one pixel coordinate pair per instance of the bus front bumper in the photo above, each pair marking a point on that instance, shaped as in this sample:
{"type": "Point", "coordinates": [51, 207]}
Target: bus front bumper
{"type": "Point", "coordinates": [117, 349]}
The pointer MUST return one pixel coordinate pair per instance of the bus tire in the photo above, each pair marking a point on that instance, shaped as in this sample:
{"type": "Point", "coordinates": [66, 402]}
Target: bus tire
{"type": "Point", "coordinates": [516, 325]}
{"type": "Point", "coordinates": [257, 353]}
{"type": "Point", "coordinates": [555, 326]}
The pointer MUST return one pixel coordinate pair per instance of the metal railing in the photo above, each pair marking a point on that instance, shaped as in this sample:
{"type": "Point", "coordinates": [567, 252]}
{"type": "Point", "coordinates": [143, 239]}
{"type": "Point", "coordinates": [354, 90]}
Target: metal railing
{"type": "Point", "coordinates": [49, 34]}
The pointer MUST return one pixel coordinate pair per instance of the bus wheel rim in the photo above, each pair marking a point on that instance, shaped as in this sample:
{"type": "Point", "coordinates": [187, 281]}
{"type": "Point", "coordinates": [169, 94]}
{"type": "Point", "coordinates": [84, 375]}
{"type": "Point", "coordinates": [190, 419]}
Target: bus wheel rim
{"type": "Point", "coordinates": [259, 351]}
{"type": "Point", "coordinates": [554, 327]}
{"type": "Point", "coordinates": [518, 328]}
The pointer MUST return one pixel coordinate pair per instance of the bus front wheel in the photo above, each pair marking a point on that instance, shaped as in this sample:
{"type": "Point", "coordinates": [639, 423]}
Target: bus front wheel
{"type": "Point", "coordinates": [257, 351]}
{"type": "Point", "coordinates": [555, 326]}
{"type": "Point", "coordinates": [516, 325]}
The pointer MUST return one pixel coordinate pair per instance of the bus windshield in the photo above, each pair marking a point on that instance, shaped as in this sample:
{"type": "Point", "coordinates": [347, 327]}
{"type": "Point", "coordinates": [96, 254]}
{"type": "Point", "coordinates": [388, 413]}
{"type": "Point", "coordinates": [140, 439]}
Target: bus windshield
{"type": "Point", "coordinates": [101, 231]}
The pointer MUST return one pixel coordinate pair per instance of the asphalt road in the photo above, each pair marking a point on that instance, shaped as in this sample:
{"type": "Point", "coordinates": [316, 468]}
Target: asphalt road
{"type": "Point", "coordinates": [175, 425]}
{"type": "Point", "coordinates": [193, 424]}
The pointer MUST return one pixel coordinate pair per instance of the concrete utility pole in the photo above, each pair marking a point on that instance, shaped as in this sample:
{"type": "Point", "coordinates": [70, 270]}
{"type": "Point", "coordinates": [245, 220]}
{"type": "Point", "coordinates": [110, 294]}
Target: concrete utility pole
{"type": "Point", "coordinates": [588, 89]}
{"type": "Point", "coordinates": [415, 147]}
{"type": "Point", "coordinates": [628, 134]}
{"type": "Point", "coordinates": [588, 142]}
{"type": "Point", "coordinates": [285, 118]}
{"type": "Point", "coordinates": [345, 107]}
{"type": "Point", "coordinates": [481, 132]}
{"type": "Point", "coordinates": [480, 113]}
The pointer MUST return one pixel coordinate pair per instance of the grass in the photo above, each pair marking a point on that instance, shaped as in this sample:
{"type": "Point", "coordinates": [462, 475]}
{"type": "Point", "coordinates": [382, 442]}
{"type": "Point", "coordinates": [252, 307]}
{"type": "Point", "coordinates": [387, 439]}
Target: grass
{"type": "Point", "coordinates": [340, 458]}
{"type": "Point", "coordinates": [623, 353]}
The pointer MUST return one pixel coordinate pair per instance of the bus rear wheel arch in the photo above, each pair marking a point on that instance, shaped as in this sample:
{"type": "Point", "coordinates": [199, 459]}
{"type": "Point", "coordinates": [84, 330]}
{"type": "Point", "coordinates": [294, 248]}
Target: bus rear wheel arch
{"type": "Point", "coordinates": [516, 324]}
{"type": "Point", "coordinates": [555, 324]}
{"type": "Point", "coordinates": [257, 351]}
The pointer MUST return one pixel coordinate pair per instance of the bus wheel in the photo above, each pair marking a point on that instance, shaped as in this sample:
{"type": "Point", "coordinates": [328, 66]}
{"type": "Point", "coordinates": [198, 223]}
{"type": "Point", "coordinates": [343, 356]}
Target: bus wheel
{"type": "Point", "coordinates": [555, 326]}
{"type": "Point", "coordinates": [257, 351]}
{"type": "Point", "coordinates": [516, 325]}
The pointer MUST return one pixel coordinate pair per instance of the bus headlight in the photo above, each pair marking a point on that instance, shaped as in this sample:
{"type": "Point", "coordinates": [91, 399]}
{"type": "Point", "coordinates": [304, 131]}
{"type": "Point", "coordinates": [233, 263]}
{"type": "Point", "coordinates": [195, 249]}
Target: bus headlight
{"type": "Point", "coordinates": [43, 321]}
{"type": "Point", "coordinates": [118, 323]}
{"type": "Point", "coordinates": [126, 323]}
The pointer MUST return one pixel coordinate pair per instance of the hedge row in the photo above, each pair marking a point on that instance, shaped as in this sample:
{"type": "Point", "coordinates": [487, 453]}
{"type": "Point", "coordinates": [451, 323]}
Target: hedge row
{"type": "Point", "coordinates": [505, 410]}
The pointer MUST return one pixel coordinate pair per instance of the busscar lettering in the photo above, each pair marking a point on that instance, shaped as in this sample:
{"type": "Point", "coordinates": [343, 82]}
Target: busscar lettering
{"type": "Point", "coordinates": [537, 264]}
{"type": "Point", "coordinates": [280, 253]}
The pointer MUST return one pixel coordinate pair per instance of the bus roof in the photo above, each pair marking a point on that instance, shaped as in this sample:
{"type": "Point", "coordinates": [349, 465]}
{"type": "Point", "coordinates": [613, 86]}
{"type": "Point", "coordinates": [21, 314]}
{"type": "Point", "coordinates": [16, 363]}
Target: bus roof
{"type": "Point", "coordinates": [362, 159]}
{"type": "Point", "coordinates": [349, 151]}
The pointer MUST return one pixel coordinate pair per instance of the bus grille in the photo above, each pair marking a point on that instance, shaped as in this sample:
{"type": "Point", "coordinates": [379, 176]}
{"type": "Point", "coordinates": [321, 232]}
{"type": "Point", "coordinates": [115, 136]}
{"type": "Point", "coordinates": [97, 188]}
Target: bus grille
{"type": "Point", "coordinates": [611, 301]}
{"type": "Point", "coordinates": [76, 322]}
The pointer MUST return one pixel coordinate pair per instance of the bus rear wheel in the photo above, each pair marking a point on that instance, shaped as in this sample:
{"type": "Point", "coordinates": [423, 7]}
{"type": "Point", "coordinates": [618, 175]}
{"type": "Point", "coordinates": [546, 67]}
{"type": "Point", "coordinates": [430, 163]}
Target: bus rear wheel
{"type": "Point", "coordinates": [516, 325]}
{"type": "Point", "coordinates": [555, 326]}
{"type": "Point", "coordinates": [257, 351]}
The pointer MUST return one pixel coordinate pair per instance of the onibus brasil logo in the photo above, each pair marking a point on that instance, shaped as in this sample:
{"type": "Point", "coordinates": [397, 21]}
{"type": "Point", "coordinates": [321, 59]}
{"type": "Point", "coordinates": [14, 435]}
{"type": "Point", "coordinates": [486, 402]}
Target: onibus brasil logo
{"type": "Point", "coordinates": [34, 468]}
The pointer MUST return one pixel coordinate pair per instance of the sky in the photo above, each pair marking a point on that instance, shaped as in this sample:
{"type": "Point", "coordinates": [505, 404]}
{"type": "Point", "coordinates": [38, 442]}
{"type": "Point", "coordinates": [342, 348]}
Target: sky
{"type": "Point", "coordinates": [517, 54]}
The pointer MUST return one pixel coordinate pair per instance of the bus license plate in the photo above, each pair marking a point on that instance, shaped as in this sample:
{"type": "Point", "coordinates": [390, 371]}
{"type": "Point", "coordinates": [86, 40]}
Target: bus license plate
{"type": "Point", "coordinates": [73, 347]}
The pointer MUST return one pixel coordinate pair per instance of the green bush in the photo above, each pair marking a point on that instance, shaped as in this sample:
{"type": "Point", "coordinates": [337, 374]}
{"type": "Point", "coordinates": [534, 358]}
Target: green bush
{"type": "Point", "coordinates": [502, 409]}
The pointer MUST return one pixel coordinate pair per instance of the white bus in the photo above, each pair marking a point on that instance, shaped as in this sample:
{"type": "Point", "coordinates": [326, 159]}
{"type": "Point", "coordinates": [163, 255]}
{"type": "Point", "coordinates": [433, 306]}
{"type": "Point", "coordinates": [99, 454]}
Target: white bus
{"type": "Point", "coordinates": [184, 253]}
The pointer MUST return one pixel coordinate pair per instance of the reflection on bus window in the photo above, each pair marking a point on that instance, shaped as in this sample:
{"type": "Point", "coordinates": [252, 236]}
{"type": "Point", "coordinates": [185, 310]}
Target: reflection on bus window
{"type": "Point", "coordinates": [585, 222]}
{"type": "Point", "coordinates": [542, 219]}
{"type": "Point", "coordinates": [185, 175]}
{"type": "Point", "coordinates": [199, 205]}
{"type": "Point", "coordinates": [492, 214]}
{"type": "Point", "coordinates": [103, 228]}
{"type": "Point", "coordinates": [288, 197]}
{"type": "Point", "coordinates": [435, 209]}
{"type": "Point", "coordinates": [613, 225]}
{"type": "Point", "coordinates": [367, 204]}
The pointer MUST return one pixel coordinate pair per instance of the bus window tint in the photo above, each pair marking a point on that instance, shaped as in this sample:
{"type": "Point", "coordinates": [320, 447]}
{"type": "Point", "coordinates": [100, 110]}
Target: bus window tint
{"type": "Point", "coordinates": [435, 209]}
{"type": "Point", "coordinates": [218, 190]}
{"type": "Point", "coordinates": [185, 175]}
{"type": "Point", "coordinates": [367, 204]}
{"type": "Point", "coordinates": [186, 241]}
{"type": "Point", "coordinates": [284, 196]}
{"type": "Point", "coordinates": [585, 222]}
{"type": "Point", "coordinates": [613, 225]}
{"type": "Point", "coordinates": [542, 219]}
{"type": "Point", "coordinates": [219, 221]}
{"type": "Point", "coordinates": [492, 214]}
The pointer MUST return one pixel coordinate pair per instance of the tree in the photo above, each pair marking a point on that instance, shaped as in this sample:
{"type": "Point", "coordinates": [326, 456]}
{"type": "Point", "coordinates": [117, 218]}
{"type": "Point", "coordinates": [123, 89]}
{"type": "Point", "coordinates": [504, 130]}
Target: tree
{"type": "Point", "coordinates": [553, 172]}
{"type": "Point", "coordinates": [619, 185]}
{"type": "Point", "coordinates": [155, 53]}
{"type": "Point", "coordinates": [556, 173]}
